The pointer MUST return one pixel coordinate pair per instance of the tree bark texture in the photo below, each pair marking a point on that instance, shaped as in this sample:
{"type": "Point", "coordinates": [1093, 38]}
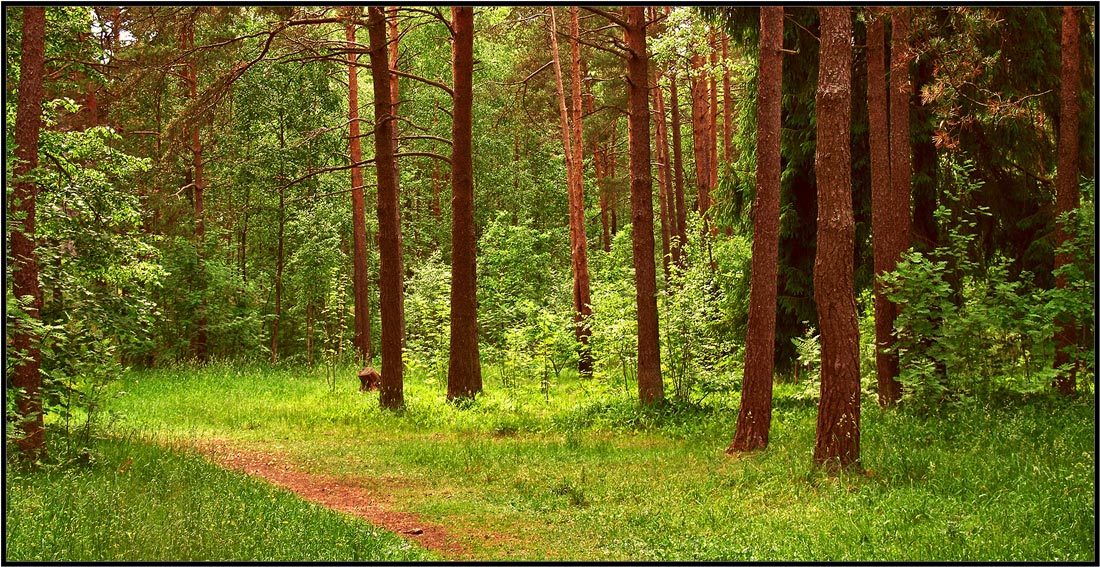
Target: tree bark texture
{"type": "Point", "coordinates": [727, 100]}
{"type": "Point", "coordinates": [700, 107]}
{"type": "Point", "coordinates": [650, 385]}
{"type": "Point", "coordinates": [885, 237]}
{"type": "Point", "coordinates": [754, 416]}
{"type": "Point", "coordinates": [837, 440]}
{"type": "Point", "coordinates": [678, 171]}
{"type": "Point", "coordinates": [360, 279]}
{"type": "Point", "coordinates": [901, 163]}
{"type": "Point", "coordinates": [464, 369]}
{"type": "Point", "coordinates": [394, 41]}
{"type": "Point", "coordinates": [1067, 196]}
{"type": "Point", "coordinates": [199, 341]}
{"type": "Point", "coordinates": [391, 273]}
{"type": "Point", "coordinates": [712, 120]}
{"type": "Point", "coordinates": [27, 375]}
{"type": "Point", "coordinates": [578, 239]}
{"type": "Point", "coordinates": [664, 178]}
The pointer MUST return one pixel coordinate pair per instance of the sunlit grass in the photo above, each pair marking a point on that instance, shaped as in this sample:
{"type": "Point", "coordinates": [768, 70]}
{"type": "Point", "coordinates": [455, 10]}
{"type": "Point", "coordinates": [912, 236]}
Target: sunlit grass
{"type": "Point", "coordinates": [590, 476]}
{"type": "Point", "coordinates": [136, 501]}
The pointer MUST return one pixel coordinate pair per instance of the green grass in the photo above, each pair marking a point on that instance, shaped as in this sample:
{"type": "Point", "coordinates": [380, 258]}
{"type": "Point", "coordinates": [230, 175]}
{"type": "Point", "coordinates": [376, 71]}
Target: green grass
{"type": "Point", "coordinates": [590, 476]}
{"type": "Point", "coordinates": [136, 501]}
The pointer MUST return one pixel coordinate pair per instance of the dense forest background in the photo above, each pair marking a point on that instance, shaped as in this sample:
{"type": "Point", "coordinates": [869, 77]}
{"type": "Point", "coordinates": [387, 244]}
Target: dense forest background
{"type": "Point", "coordinates": [195, 188]}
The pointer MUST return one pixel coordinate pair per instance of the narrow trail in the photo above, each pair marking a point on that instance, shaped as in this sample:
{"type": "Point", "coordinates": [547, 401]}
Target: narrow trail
{"type": "Point", "coordinates": [336, 494]}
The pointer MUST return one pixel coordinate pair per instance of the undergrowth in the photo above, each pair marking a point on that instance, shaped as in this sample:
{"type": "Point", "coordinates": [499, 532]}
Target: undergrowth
{"type": "Point", "coordinates": [585, 474]}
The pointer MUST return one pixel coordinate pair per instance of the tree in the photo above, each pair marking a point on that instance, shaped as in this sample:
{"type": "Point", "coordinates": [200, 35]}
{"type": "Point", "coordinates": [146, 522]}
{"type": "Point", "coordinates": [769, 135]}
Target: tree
{"type": "Point", "coordinates": [650, 385]}
{"type": "Point", "coordinates": [464, 369]}
{"type": "Point", "coordinates": [391, 273]}
{"type": "Point", "coordinates": [837, 440]}
{"type": "Point", "coordinates": [666, 205]}
{"type": "Point", "coordinates": [678, 171]}
{"type": "Point", "coordinates": [1067, 197]}
{"type": "Point", "coordinates": [359, 277]}
{"type": "Point", "coordinates": [191, 78]}
{"type": "Point", "coordinates": [573, 143]}
{"type": "Point", "coordinates": [884, 211]}
{"type": "Point", "coordinates": [700, 130]}
{"type": "Point", "coordinates": [754, 416]}
{"type": "Point", "coordinates": [27, 378]}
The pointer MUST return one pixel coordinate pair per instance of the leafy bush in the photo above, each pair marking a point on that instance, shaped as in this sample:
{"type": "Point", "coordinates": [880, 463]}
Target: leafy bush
{"type": "Point", "coordinates": [965, 329]}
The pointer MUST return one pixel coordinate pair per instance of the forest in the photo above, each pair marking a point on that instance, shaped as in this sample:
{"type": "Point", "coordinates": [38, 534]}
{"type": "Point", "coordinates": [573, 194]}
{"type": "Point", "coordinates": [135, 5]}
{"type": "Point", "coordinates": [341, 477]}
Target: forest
{"type": "Point", "coordinates": [549, 283]}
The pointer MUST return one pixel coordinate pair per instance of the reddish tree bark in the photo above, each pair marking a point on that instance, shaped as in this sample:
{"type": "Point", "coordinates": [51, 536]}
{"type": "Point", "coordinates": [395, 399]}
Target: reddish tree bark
{"type": "Point", "coordinates": [187, 39]}
{"type": "Point", "coordinates": [394, 38]}
{"type": "Point", "coordinates": [678, 171]}
{"type": "Point", "coordinates": [712, 121]}
{"type": "Point", "coordinates": [901, 164]}
{"type": "Point", "coordinates": [464, 370]}
{"type": "Point", "coordinates": [727, 111]}
{"type": "Point", "coordinates": [391, 272]}
{"type": "Point", "coordinates": [700, 108]}
{"type": "Point", "coordinates": [664, 177]}
{"type": "Point", "coordinates": [360, 279]}
{"type": "Point", "coordinates": [885, 238]}
{"type": "Point", "coordinates": [837, 440]}
{"type": "Point", "coordinates": [279, 265]}
{"type": "Point", "coordinates": [1067, 198]}
{"type": "Point", "coordinates": [755, 414]}
{"type": "Point", "coordinates": [572, 141]}
{"type": "Point", "coordinates": [582, 296]}
{"type": "Point", "coordinates": [27, 376]}
{"type": "Point", "coordinates": [650, 385]}
{"type": "Point", "coordinates": [598, 158]}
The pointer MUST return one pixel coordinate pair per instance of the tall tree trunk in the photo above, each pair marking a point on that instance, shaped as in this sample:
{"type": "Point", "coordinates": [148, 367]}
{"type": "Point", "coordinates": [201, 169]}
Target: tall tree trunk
{"type": "Point", "coordinates": [837, 440]}
{"type": "Point", "coordinates": [1067, 198]}
{"type": "Point", "coordinates": [360, 279]}
{"type": "Point", "coordinates": [278, 279]}
{"type": "Point", "coordinates": [598, 159]}
{"type": "Point", "coordinates": [700, 106]}
{"type": "Point", "coordinates": [884, 207]}
{"type": "Point", "coordinates": [464, 369]}
{"type": "Point", "coordinates": [678, 171]}
{"type": "Point", "coordinates": [755, 415]}
{"type": "Point", "coordinates": [199, 341]}
{"type": "Point", "coordinates": [572, 142]}
{"type": "Point", "coordinates": [727, 100]}
{"type": "Point", "coordinates": [901, 165]}
{"type": "Point", "coordinates": [391, 273]}
{"type": "Point", "coordinates": [394, 38]}
{"type": "Point", "coordinates": [666, 206]}
{"type": "Point", "coordinates": [27, 376]}
{"type": "Point", "coordinates": [712, 121]}
{"type": "Point", "coordinates": [582, 296]}
{"type": "Point", "coordinates": [650, 385]}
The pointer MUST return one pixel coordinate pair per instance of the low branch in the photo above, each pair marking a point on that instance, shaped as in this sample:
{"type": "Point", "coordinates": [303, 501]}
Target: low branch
{"type": "Point", "coordinates": [426, 137]}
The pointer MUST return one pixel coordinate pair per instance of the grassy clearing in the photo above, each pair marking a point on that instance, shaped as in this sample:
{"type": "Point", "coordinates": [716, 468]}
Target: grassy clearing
{"type": "Point", "coordinates": [588, 476]}
{"type": "Point", "coordinates": [138, 501]}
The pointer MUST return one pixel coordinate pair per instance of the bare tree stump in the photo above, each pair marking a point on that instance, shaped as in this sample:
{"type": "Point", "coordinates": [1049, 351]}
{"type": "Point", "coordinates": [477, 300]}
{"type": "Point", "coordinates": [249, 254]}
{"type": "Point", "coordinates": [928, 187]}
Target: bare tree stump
{"type": "Point", "coordinates": [369, 380]}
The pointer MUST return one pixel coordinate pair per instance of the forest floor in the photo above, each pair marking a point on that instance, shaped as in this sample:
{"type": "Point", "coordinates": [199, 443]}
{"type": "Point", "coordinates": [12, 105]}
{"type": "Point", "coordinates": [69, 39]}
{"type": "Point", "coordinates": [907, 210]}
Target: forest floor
{"type": "Point", "coordinates": [580, 472]}
{"type": "Point", "coordinates": [342, 495]}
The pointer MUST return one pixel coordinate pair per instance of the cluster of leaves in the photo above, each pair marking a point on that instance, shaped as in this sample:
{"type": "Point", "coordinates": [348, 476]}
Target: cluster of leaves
{"type": "Point", "coordinates": [964, 328]}
{"type": "Point", "coordinates": [97, 269]}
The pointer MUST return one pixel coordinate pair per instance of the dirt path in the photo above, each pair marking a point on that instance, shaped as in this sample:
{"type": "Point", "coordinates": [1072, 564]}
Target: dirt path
{"type": "Point", "coordinates": [336, 494]}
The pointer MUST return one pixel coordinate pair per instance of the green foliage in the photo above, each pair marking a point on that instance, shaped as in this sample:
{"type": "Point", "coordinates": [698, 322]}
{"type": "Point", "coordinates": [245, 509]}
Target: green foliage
{"type": "Point", "coordinates": [428, 317]}
{"type": "Point", "coordinates": [614, 320]}
{"type": "Point", "coordinates": [98, 270]}
{"type": "Point", "coordinates": [703, 314]}
{"type": "Point", "coordinates": [965, 329]}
